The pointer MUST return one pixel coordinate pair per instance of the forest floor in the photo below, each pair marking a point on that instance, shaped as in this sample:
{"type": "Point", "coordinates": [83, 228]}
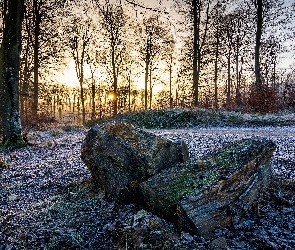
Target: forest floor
{"type": "Point", "coordinates": [48, 199]}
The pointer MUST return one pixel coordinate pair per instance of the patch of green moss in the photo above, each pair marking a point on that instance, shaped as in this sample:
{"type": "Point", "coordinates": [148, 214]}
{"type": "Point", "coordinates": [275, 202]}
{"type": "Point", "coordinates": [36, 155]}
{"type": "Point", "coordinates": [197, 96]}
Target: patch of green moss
{"type": "Point", "coordinates": [186, 183]}
{"type": "Point", "coordinates": [203, 174]}
{"type": "Point", "coordinates": [226, 158]}
{"type": "Point", "coordinates": [181, 185]}
{"type": "Point", "coordinates": [17, 142]}
{"type": "Point", "coordinates": [232, 157]}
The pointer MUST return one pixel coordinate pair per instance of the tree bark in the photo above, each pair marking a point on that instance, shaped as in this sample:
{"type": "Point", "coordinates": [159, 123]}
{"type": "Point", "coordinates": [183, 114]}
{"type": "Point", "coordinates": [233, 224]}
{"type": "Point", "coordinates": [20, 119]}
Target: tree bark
{"type": "Point", "coordinates": [201, 195]}
{"type": "Point", "coordinates": [115, 78]}
{"type": "Point", "coordinates": [196, 55]}
{"type": "Point", "coordinates": [216, 70]}
{"type": "Point", "coordinates": [24, 86]}
{"type": "Point", "coordinates": [81, 80]}
{"type": "Point", "coordinates": [197, 45]}
{"type": "Point", "coordinates": [129, 90]}
{"type": "Point", "coordinates": [170, 82]}
{"type": "Point", "coordinates": [147, 64]}
{"type": "Point", "coordinates": [238, 95]}
{"type": "Point", "coordinates": [9, 77]}
{"type": "Point", "coordinates": [37, 22]}
{"type": "Point", "coordinates": [238, 72]}
{"type": "Point", "coordinates": [93, 90]}
{"type": "Point", "coordinates": [258, 43]}
{"type": "Point", "coordinates": [79, 66]}
{"type": "Point", "coordinates": [274, 71]}
{"type": "Point", "coordinates": [151, 87]}
{"type": "Point", "coordinates": [228, 89]}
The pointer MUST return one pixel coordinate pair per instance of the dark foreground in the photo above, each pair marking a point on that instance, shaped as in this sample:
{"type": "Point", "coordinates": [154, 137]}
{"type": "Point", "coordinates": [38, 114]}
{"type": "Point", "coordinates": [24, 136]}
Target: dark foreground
{"type": "Point", "coordinates": [48, 201]}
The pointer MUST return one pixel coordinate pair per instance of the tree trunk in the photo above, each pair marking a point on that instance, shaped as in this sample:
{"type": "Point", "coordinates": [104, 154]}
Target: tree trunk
{"type": "Point", "coordinates": [198, 44]}
{"type": "Point", "coordinates": [79, 66]}
{"type": "Point", "coordinates": [229, 35]}
{"type": "Point", "coordinates": [151, 88]}
{"type": "Point", "coordinates": [216, 70]}
{"type": "Point", "coordinates": [129, 91]}
{"type": "Point", "coordinates": [10, 64]}
{"type": "Point", "coordinates": [274, 72]}
{"type": "Point", "coordinates": [196, 55]}
{"type": "Point", "coordinates": [81, 81]}
{"type": "Point", "coordinates": [37, 22]}
{"type": "Point", "coordinates": [147, 64]}
{"type": "Point", "coordinates": [170, 82]}
{"type": "Point", "coordinates": [24, 86]}
{"type": "Point", "coordinates": [93, 95]}
{"type": "Point", "coordinates": [228, 89]}
{"type": "Point", "coordinates": [82, 98]}
{"type": "Point", "coordinates": [115, 80]}
{"type": "Point", "coordinates": [238, 94]}
{"type": "Point", "coordinates": [203, 194]}
{"type": "Point", "coordinates": [258, 44]}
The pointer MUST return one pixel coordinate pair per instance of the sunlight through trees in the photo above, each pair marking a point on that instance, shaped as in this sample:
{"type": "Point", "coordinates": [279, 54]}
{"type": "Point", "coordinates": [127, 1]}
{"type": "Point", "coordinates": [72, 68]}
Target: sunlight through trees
{"type": "Point", "coordinates": [182, 53]}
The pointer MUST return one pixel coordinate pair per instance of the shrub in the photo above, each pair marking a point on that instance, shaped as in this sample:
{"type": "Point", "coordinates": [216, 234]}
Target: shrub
{"type": "Point", "coordinates": [262, 100]}
{"type": "Point", "coordinates": [43, 120]}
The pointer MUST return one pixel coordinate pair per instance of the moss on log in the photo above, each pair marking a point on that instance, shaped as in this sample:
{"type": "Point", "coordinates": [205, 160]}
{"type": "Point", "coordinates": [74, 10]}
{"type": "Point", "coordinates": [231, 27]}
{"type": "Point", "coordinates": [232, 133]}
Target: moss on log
{"type": "Point", "coordinates": [201, 195]}
{"type": "Point", "coordinates": [119, 156]}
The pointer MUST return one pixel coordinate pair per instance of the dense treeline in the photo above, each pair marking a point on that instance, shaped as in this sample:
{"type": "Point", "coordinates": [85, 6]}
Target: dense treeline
{"type": "Point", "coordinates": [128, 56]}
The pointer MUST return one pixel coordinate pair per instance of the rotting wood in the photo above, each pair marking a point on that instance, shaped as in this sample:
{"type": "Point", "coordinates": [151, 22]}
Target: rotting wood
{"type": "Point", "coordinates": [201, 195]}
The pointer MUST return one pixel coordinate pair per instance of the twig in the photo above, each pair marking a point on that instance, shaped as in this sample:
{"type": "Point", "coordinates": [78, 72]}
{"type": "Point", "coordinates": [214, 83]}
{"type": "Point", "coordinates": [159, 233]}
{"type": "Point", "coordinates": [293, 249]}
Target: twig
{"type": "Point", "coordinates": [145, 7]}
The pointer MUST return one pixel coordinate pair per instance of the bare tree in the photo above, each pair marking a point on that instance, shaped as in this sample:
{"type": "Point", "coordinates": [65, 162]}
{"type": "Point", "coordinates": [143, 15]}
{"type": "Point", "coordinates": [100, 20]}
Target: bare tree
{"type": "Point", "coordinates": [259, 22]}
{"type": "Point", "coordinates": [199, 16]}
{"type": "Point", "coordinates": [113, 22]}
{"type": "Point", "coordinates": [228, 20]}
{"type": "Point", "coordinates": [154, 40]}
{"type": "Point", "coordinates": [79, 43]}
{"type": "Point", "coordinates": [78, 34]}
{"type": "Point", "coordinates": [38, 17]}
{"type": "Point", "coordinates": [199, 40]}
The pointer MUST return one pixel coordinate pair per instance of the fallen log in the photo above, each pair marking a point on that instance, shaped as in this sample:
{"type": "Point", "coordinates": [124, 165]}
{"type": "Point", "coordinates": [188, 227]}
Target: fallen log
{"type": "Point", "coordinates": [201, 195]}
{"type": "Point", "coordinates": [120, 156]}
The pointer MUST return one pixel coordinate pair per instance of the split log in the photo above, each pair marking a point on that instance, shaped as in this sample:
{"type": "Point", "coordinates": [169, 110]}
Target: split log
{"type": "Point", "coordinates": [201, 195]}
{"type": "Point", "coordinates": [120, 156]}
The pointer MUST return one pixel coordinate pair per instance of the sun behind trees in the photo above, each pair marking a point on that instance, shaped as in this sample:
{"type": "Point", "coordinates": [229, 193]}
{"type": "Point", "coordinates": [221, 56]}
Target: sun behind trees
{"type": "Point", "coordinates": [124, 56]}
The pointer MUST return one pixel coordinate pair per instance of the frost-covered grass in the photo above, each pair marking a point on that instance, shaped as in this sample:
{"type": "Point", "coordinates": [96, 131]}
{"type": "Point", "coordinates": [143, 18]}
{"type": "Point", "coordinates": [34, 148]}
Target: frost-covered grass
{"type": "Point", "coordinates": [190, 118]}
{"type": "Point", "coordinates": [48, 201]}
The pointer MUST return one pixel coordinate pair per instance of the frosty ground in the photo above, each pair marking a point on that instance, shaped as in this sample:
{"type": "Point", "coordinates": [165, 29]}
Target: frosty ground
{"type": "Point", "coordinates": [48, 201]}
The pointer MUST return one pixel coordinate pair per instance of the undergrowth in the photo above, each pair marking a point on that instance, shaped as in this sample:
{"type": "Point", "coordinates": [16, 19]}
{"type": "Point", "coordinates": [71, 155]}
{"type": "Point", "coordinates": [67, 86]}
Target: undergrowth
{"type": "Point", "coordinates": [191, 118]}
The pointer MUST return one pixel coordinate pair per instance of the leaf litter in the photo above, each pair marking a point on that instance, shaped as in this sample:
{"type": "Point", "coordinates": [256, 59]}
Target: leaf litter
{"type": "Point", "coordinates": [48, 199]}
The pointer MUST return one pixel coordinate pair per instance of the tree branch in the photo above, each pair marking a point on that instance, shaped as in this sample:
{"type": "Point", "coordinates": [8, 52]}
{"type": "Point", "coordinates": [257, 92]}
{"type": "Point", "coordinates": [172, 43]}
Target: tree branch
{"type": "Point", "coordinates": [145, 7]}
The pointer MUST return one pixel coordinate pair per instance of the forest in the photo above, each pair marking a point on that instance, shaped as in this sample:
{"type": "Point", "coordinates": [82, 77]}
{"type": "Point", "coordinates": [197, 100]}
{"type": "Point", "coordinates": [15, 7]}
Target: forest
{"type": "Point", "coordinates": [160, 124]}
{"type": "Point", "coordinates": [83, 60]}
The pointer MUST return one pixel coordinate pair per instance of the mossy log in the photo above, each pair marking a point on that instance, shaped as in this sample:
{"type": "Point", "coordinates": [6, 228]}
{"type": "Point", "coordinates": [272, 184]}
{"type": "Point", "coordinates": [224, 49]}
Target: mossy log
{"type": "Point", "coordinates": [201, 195]}
{"type": "Point", "coordinates": [119, 156]}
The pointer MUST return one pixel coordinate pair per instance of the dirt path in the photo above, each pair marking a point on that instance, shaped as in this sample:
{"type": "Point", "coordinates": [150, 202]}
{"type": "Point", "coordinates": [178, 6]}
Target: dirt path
{"type": "Point", "coordinates": [259, 131]}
